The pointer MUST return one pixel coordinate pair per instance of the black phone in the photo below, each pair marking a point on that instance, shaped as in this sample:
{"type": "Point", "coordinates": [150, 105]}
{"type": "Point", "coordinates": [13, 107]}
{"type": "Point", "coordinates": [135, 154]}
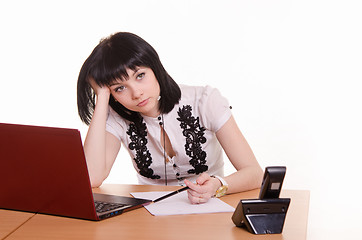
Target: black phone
{"type": "Point", "coordinates": [265, 215]}
{"type": "Point", "coordinates": [272, 182]}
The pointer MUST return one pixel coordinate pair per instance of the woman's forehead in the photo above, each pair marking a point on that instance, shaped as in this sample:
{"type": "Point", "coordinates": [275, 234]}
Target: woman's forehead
{"type": "Point", "coordinates": [130, 72]}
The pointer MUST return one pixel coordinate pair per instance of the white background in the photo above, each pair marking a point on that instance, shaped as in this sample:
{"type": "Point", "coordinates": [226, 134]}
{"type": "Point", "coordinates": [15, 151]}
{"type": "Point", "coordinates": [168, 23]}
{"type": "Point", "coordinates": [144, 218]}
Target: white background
{"type": "Point", "coordinates": [290, 69]}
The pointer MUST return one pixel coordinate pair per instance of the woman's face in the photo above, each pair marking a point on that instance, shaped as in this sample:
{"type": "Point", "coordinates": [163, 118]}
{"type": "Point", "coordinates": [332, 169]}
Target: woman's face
{"type": "Point", "coordinates": [139, 93]}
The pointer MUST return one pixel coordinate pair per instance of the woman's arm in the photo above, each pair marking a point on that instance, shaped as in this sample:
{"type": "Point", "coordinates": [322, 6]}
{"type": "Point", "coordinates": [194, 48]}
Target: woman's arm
{"type": "Point", "coordinates": [248, 175]}
{"type": "Point", "coordinates": [100, 147]}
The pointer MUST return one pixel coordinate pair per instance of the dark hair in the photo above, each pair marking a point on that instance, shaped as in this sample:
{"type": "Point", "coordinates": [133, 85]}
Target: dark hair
{"type": "Point", "coordinates": [109, 61]}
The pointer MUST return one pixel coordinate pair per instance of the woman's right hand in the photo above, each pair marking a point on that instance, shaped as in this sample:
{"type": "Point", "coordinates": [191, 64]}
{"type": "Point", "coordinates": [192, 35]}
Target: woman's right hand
{"type": "Point", "coordinates": [99, 90]}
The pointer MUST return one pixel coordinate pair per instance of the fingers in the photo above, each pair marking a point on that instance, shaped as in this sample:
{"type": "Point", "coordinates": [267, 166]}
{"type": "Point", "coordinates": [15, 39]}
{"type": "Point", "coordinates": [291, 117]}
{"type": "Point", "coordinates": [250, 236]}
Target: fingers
{"type": "Point", "coordinates": [193, 186]}
{"type": "Point", "coordinates": [197, 197]}
{"type": "Point", "coordinates": [97, 88]}
{"type": "Point", "coordinates": [202, 178]}
{"type": "Point", "coordinates": [201, 181]}
{"type": "Point", "coordinates": [197, 200]}
{"type": "Point", "coordinates": [200, 192]}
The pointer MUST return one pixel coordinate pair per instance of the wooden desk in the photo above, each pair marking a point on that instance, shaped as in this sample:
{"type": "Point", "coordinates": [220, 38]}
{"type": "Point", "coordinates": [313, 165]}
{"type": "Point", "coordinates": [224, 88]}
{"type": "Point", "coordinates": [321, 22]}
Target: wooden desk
{"type": "Point", "coordinates": [12, 220]}
{"type": "Point", "coordinates": [139, 224]}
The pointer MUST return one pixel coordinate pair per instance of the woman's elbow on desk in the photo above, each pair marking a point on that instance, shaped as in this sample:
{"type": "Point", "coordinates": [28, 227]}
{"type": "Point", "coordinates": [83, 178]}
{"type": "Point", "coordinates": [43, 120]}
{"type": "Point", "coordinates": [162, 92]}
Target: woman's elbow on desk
{"type": "Point", "coordinates": [96, 181]}
{"type": "Point", "coordinates": [97, 173]}
{"type": "Point", "coordinates": [94, 184]}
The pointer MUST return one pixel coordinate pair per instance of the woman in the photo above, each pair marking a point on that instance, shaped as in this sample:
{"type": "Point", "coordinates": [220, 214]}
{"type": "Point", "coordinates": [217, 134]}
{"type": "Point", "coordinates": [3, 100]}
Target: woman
{"type": "Point", "coordinates": [174, 134]}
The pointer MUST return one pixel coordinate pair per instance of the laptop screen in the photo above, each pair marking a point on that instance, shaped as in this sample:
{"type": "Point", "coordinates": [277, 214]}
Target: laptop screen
{"type": "Point", "coordinates": [43, 170]}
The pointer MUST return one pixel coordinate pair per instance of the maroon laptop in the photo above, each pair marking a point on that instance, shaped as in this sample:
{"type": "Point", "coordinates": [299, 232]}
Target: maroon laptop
{"type": "Point", "coordinates": [43, 170]}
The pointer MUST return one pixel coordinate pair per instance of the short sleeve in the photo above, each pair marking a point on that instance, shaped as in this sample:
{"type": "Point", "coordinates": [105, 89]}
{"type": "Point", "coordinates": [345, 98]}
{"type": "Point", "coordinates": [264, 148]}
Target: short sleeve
{"type": "Point", "coordinates": [214, 109]}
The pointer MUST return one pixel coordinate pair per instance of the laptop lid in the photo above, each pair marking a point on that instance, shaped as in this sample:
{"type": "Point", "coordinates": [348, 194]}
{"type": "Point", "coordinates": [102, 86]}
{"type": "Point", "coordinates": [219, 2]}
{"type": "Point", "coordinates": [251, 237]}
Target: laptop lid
{"type": "Point", "coordinates": [43, 170]}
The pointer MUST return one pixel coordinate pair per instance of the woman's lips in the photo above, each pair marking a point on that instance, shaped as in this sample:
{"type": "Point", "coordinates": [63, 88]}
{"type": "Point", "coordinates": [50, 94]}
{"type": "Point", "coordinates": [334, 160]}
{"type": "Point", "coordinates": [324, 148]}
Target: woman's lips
{"type": "Point", "coordinates": [143, 103]}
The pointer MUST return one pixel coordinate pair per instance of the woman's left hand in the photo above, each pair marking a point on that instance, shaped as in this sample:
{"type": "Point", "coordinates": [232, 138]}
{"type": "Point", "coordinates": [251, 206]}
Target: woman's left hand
{"type": "Point", "coordinates": [203, 190]}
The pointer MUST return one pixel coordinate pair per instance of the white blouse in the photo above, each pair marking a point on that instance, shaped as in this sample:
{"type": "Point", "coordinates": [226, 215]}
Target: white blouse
{"type": "Point", "coordinates": [191, 128]}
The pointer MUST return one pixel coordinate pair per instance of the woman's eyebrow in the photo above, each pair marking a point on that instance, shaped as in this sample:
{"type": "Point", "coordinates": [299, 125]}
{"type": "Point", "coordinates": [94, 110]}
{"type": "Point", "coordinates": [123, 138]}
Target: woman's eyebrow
{"type": "Point", "coordinates": [135, 71]}
{"type": "Point", "coordinates": [114, 83]}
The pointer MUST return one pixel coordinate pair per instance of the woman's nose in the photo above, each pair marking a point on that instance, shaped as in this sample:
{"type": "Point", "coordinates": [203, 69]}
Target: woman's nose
{"type": "Point", "coordinates": [137, 93]}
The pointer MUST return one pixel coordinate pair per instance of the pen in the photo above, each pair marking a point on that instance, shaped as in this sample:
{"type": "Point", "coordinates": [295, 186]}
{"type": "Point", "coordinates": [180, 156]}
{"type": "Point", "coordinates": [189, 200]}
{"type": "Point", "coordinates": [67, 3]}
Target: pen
{"type": "Point", "coordinates": [170, 194]}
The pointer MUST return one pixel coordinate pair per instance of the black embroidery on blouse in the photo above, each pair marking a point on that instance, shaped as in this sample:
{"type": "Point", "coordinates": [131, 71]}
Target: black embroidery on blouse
{"type": "Point", "coordinates": [194, 134]}
{"type": "Point", "coordinates": [137, 134]}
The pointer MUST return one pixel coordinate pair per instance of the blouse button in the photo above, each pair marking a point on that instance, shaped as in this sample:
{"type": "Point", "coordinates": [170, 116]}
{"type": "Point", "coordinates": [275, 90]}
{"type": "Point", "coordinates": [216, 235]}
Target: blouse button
{"type": "Point", "coordinates": [159, 118]}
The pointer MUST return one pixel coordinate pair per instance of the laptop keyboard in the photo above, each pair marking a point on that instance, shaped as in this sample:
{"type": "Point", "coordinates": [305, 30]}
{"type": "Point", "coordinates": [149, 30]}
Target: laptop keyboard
{"type": "Point", "coordinates": [104, 206]}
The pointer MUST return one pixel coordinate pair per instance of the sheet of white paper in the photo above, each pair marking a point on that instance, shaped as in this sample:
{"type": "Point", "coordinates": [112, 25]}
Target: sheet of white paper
{"type": "Point", "coordinates": [179, 204]}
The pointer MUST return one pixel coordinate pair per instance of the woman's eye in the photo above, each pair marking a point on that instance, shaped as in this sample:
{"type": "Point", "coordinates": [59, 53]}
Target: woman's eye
{"type": "Point", "coordinates": [140, 76]}
{"type": "Point", "coordinates": [119, 89]}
